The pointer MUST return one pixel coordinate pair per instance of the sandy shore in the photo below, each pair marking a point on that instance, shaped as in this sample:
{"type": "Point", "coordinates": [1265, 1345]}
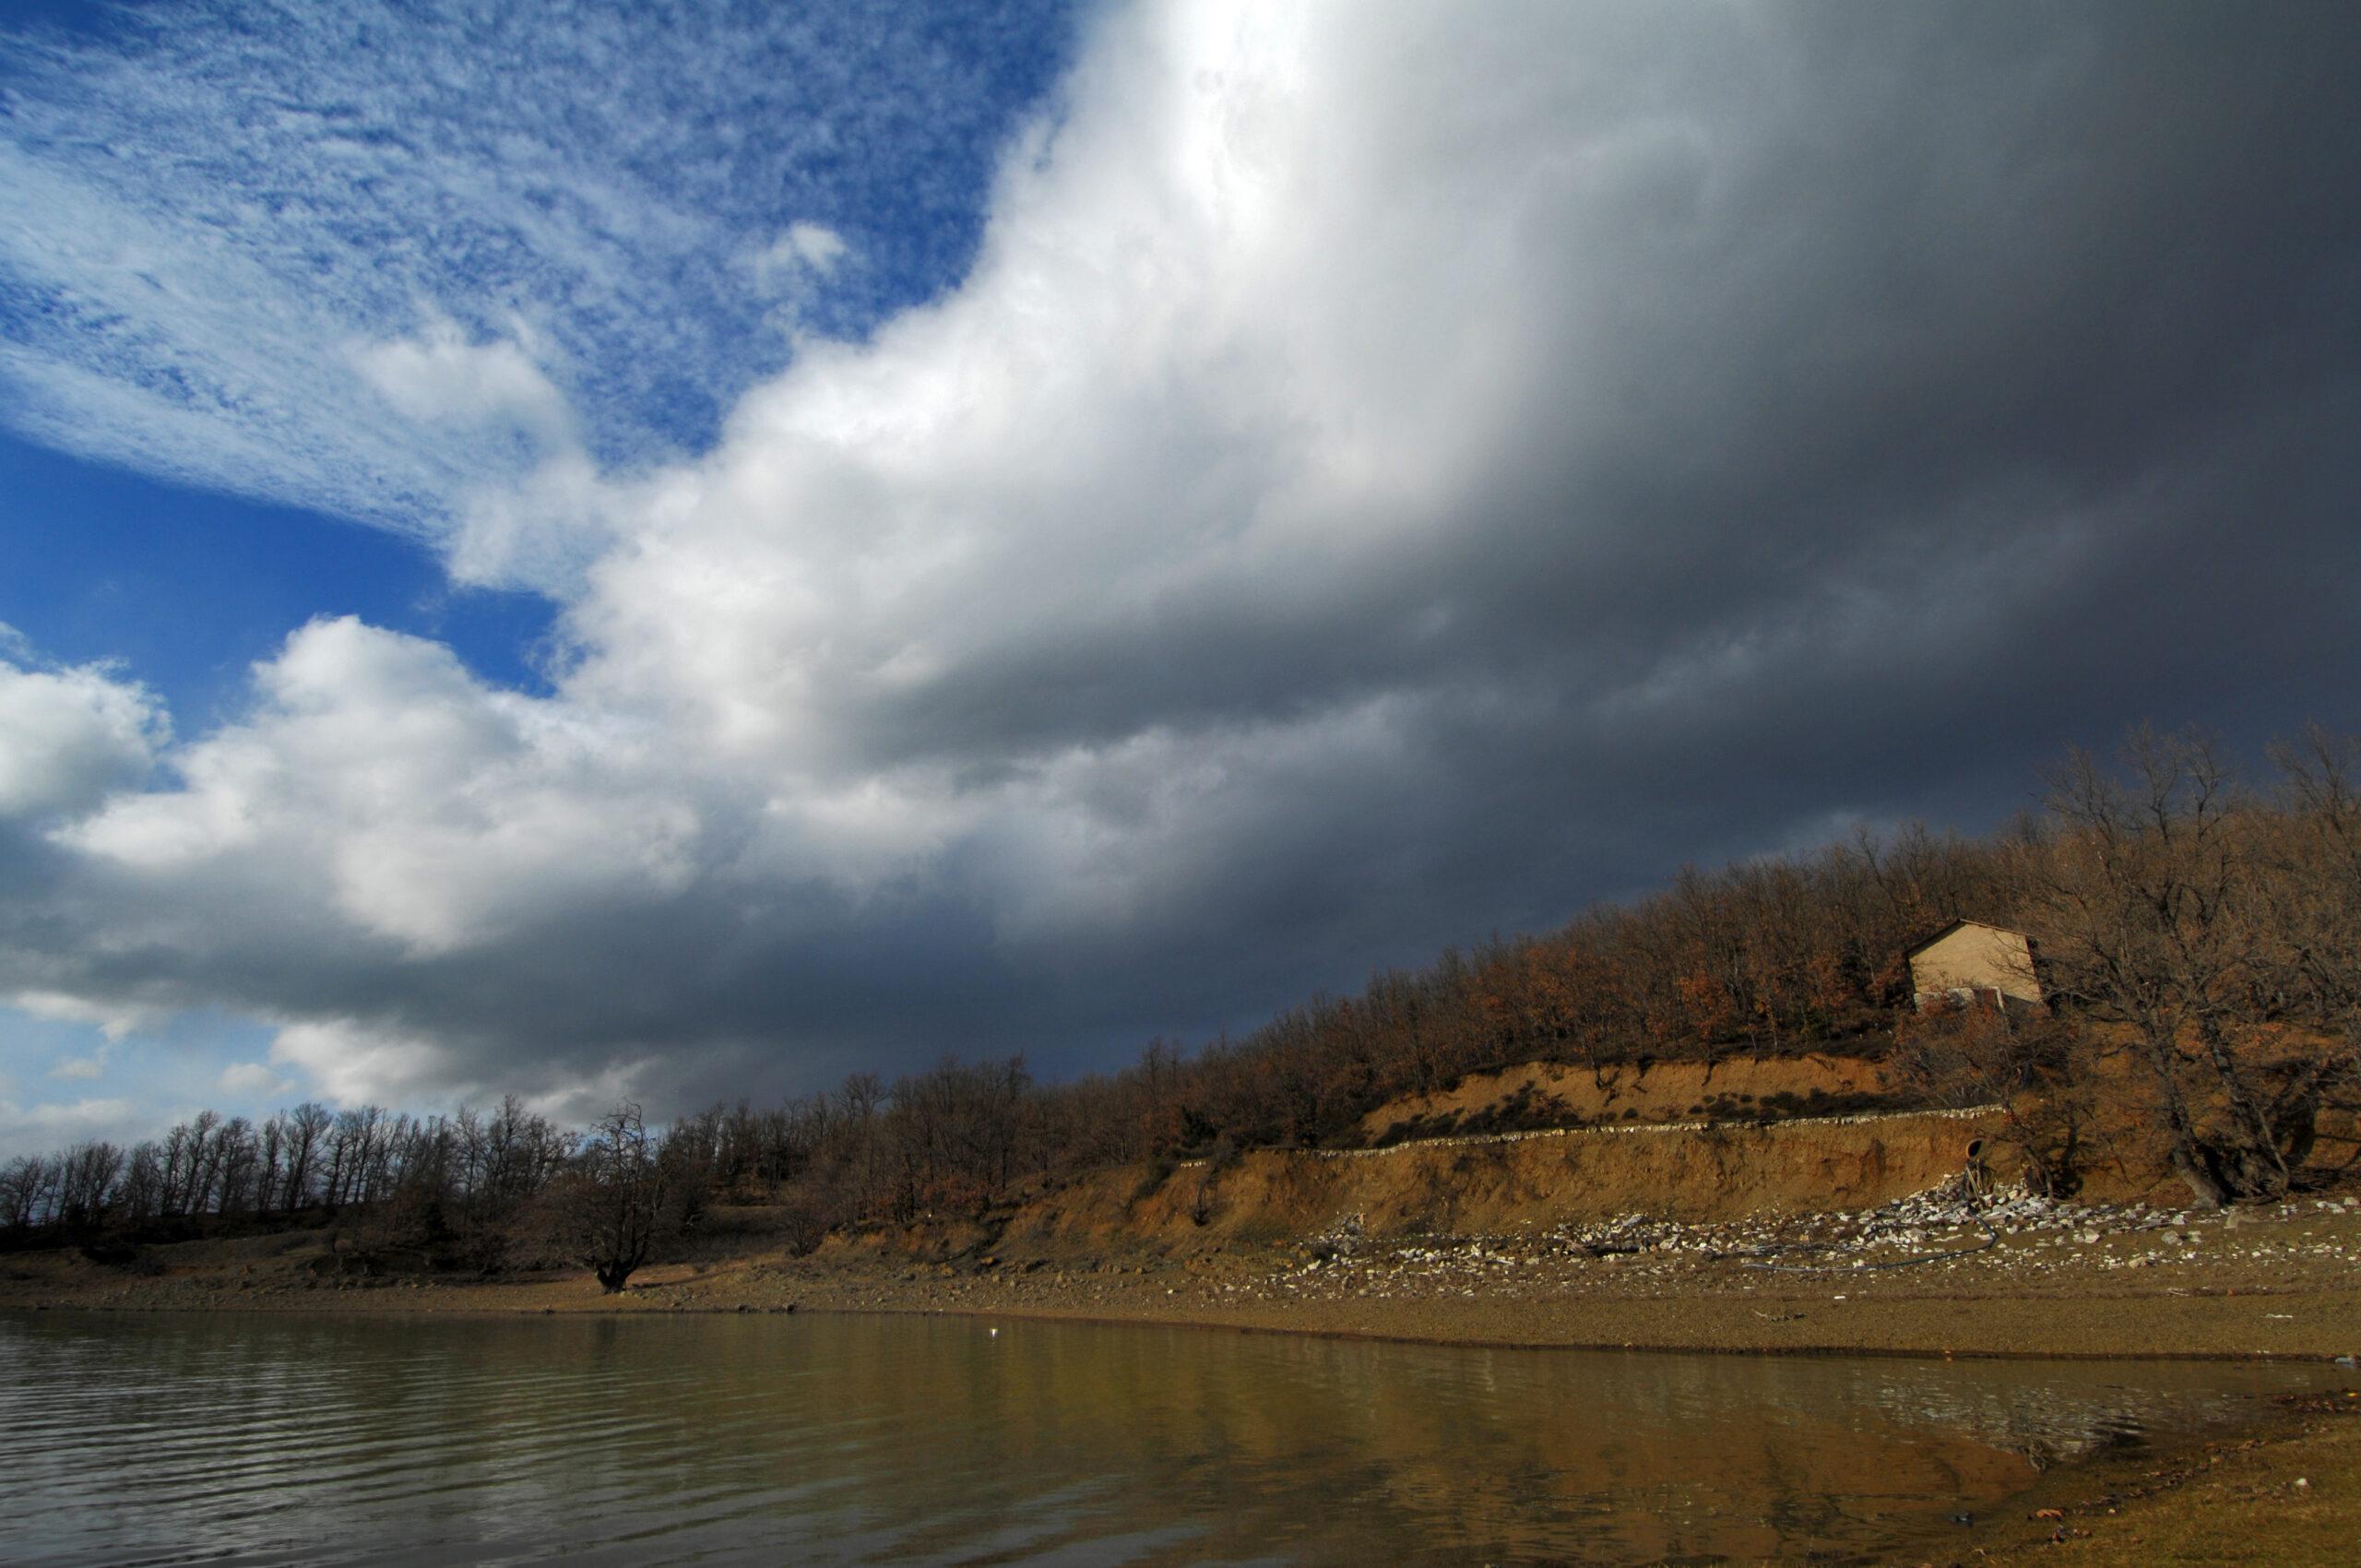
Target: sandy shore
{"type": "Point", "coordinates": [2071, 1282]}
{"type": "Point", "coordinates": [2288, 1493]}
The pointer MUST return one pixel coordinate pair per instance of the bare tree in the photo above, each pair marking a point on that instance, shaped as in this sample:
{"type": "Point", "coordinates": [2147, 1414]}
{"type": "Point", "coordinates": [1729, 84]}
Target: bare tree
{"type": "Point", "coordinates": [86, 1185]}
{"type": "Point", "coordinates": [307, 1128]}
{"type": "Point", "coordinates": [2031, 1066]}
{"type": "Point", "coordinates": [140, 1197]}
{"type": "Point", "coordinates": [2146, 908]}
{"type": "Point", "coordinates": [2312, 881]}
{"type": "Point", "coordinates": [27, 1183]}
{"type": "Point", "coordinates": [607, 1211]}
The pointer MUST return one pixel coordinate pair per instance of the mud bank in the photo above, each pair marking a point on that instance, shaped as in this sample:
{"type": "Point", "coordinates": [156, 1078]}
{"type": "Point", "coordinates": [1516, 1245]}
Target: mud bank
{"type": "Point", "coordinates": [2288, 1492]}
{"type": "Point", "coordinates": [2022, 1279]}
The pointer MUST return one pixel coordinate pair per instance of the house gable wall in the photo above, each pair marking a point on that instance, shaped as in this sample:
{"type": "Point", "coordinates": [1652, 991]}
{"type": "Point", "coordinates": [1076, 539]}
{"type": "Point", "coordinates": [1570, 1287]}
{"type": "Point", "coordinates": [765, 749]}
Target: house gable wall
{"type": "Point", "coordinates": [1973, 958]}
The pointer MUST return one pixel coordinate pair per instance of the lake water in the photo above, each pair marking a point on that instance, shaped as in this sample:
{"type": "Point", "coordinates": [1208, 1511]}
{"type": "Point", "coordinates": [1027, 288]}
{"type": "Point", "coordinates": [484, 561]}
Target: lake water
{"type": "Point", "coordinates": [847, 1440]}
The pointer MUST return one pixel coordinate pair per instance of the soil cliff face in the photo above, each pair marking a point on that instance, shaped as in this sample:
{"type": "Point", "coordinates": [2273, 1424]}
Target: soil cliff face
{"type": "Point", "coordinates": [1499, 1184]}
{"type": "Point", "coordinates": [1689, 1142]}
{"type": "Point", "coordinates": [1682, 1141]}
{"type": "Point", "coordinates": [1563, 1094]}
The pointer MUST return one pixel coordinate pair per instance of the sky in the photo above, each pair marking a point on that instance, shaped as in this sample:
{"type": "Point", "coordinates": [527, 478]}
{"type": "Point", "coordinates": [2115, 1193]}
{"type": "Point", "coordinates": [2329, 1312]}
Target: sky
{"type": "Point", "coordinates": [681, 551]}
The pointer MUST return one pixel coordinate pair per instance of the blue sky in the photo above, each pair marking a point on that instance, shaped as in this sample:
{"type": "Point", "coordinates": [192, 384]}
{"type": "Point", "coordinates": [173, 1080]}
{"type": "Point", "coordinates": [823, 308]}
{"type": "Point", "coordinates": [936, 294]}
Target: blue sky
{"type": "Point", "coordinates": [190, 587]}
{"type": "Point", "coordinates": [587, 549]}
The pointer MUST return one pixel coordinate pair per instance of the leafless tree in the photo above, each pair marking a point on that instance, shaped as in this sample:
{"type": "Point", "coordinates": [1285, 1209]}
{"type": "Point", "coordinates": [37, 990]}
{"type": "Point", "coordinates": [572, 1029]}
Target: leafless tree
{"type": "Point", "coordinates": [27, 1185]}
{"type": "Point", "coordinates": [2146, 908]}
{"type": "Point", "coordinates": [607, 1211]}
{"type": "Point", "coordinates": [140, 1197]}
{"type": "Point", "coordinates": [86, 1183]}
{"type": "Point", "coordinates": [307, 1129]}
{"type": "Point", "coordinates": [2030, 1064]}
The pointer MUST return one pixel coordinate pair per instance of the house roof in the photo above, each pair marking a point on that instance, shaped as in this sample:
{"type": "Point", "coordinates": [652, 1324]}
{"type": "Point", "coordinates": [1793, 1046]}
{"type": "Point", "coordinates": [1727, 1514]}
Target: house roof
{"type": "Point", "coordinates": [1920, 946]}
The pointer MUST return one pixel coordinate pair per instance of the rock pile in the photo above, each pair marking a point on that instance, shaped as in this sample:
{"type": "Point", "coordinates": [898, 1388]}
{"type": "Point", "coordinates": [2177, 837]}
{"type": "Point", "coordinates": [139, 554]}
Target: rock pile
{"type": "Point", "coordinates": [1931, 1233]}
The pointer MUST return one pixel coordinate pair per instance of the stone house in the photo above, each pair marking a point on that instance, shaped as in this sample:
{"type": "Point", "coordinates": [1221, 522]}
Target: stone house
{"type": "Point", "coordinates": [1968, 962]}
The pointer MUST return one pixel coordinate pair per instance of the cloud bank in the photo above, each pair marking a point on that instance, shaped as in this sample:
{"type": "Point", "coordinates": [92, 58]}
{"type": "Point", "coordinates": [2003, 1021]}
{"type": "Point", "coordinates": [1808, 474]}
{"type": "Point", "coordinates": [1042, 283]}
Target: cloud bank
{"type": "Point", "coordinates": [1383, 475]}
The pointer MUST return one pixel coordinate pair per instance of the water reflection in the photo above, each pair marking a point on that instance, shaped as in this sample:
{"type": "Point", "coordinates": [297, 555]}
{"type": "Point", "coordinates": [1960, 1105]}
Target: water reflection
{"type": "Point", "coordinates": [261, 1440]}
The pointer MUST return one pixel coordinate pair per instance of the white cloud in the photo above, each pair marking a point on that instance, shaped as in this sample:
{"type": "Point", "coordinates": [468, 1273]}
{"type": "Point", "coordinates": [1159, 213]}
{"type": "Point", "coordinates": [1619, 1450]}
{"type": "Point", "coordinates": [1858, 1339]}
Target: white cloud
{"type": "Point", "coordinates": [439, 377]}
{"type": "Point", "coordinates": [540, 532]}
{"type": "Point", "coordinates": [68, 736]}
{"type": "Point", "coordinates": [379, 783]}
{"type": "Point", "coordinates": [790, 262]}
{"type": "Point", "coordinates": [355, 1063]}
{"type": "Point", "coordinates": [43, 1128]}
{"type": "Point", "coordinates": [821, 248]}
{"type": "Point", "coordinates": [254, 1079]}
{"type": "Point", "coordinates": [79, 1068]}
{"type": "Point", "coordinates": [114, 1020]}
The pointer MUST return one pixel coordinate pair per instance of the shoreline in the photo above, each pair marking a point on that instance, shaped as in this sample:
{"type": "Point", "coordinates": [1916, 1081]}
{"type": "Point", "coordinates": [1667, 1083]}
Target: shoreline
{"type": "Point", "coordinates": [373, 1308]}
{"type": "Point", "coordinates": [2040, 1282]}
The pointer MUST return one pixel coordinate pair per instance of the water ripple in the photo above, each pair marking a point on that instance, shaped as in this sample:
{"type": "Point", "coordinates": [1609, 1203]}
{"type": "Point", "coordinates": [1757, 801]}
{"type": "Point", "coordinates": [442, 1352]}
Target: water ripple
{"type": "Point", "coordinates": [257, 1441]}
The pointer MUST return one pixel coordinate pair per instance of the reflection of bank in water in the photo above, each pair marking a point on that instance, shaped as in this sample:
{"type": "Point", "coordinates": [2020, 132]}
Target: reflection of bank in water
{"type": "Point", "coordinates": [861, 1439]}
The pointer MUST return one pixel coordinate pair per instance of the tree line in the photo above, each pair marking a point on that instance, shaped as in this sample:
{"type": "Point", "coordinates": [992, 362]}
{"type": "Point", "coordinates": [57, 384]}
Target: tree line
{"type": "Point", "coordinates": [298, 1159]}
{"type": "Point", "coordinates": [2202, 939]}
